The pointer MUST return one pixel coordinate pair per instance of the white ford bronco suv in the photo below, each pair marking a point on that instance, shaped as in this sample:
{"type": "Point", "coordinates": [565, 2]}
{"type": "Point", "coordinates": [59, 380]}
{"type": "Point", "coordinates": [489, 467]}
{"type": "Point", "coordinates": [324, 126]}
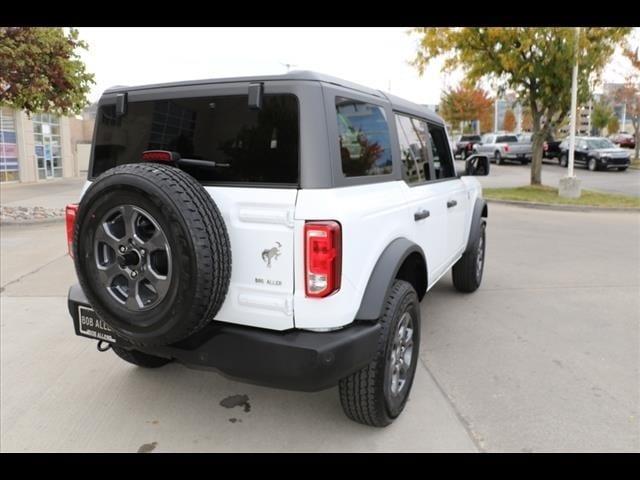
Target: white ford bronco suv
{"type": "Point", "coordinates": [281, 230]}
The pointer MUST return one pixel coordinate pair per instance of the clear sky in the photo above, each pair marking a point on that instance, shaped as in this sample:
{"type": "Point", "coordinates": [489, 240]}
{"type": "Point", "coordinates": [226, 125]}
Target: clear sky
{"type": "Point", "coordinates": [376, 57]}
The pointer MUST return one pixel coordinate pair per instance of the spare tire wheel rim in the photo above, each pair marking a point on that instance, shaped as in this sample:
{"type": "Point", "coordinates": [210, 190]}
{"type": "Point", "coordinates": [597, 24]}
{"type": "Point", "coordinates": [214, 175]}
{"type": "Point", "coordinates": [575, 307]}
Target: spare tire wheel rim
{"type": "Point", "coordinates": [401, 354]}
{"type": "Point", "coordinates": [132, 257]}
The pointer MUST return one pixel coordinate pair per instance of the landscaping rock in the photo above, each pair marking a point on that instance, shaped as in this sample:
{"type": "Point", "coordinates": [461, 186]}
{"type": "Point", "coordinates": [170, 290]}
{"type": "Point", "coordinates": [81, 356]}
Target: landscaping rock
{"type": "Point", "coordinates": [17, 215]}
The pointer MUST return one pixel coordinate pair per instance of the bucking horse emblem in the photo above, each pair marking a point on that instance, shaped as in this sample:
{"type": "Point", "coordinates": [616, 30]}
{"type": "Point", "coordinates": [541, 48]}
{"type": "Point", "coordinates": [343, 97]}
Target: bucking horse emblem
{"type": "Point", "coordinates": [271, 253]}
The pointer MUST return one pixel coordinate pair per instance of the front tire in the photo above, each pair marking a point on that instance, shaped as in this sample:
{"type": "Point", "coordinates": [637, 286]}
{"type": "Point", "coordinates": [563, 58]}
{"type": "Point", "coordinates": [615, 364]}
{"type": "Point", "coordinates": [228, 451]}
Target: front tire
{"type": "Point", "coordinates": [377, 394]}
{"type": "Point", "coordinates": [467, 272]}
{"type": "Point", "coordinates": [592, 165]}
{"type": "Point", "coordinates": [564, 161]}
{"type": "Point", "coordinates": [138, 358]}
{"type": "Point", "coordinates": [622, 169]}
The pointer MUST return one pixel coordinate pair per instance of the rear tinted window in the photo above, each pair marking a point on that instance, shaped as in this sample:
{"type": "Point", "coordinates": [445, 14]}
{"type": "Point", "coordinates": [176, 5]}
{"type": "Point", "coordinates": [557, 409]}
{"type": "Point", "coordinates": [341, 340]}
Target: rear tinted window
{"type": "Point", "coordinates": [507, 139]}
{"type": "Point", "coordinates": [242, 145]}
{"type": "Point", "coordinates": [363, 135]}
{"type": "Point", "coordinates": [470, 138]}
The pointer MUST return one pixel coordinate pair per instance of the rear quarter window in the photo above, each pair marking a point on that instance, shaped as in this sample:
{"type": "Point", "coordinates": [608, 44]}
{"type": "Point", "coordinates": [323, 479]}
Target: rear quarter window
{"type": "Point", "coordinates": [363, 137]}
{"type": "Point", "coordinates": [238, 145]}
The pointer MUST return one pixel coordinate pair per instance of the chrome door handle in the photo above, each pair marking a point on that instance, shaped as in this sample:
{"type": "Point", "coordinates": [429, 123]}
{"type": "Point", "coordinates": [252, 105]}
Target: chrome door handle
{"type": "Point", "coordinates": [451, 203]}
{"type": "Point", "coordinates": [421, 215]}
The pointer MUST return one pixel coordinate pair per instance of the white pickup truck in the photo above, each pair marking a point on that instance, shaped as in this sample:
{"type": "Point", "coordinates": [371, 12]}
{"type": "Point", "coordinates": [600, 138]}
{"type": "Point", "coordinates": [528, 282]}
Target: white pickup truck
{"type": "Point", "coordinates": [501, 147]}
{"type": "Point", "coordinates": [278, 229]}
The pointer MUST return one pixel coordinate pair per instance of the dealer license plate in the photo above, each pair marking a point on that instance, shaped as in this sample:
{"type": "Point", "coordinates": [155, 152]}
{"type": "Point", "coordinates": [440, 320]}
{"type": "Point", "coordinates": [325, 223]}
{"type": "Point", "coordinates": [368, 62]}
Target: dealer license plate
{"type": "Point", "coordinates": [91, 326]}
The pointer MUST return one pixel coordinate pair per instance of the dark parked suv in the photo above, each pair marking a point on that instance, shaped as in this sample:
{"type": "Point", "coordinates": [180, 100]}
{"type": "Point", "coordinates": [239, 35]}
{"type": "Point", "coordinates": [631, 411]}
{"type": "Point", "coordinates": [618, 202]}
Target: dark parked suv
{"type": "Point", "coordinates": [595, 153]}
{"type": "Point", "coordinates": [464, 145]}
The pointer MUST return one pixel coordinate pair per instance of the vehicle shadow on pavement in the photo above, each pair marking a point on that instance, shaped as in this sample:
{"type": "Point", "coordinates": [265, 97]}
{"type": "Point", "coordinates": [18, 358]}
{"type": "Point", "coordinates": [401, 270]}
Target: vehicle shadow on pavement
{"type": "Point", "coordinates": [192, 410]}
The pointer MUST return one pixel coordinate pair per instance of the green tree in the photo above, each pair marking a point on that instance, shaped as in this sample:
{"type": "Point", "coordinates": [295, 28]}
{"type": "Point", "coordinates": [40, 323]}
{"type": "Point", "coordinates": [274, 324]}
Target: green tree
{"type": "Point", "coordinates": [600, 116]}
{"type": "Point", "coordinates": [534, 62]}
{"type": "Point", "coordinates": [613, 125]}
{"type": "Point", "coordinates": [41, 71]}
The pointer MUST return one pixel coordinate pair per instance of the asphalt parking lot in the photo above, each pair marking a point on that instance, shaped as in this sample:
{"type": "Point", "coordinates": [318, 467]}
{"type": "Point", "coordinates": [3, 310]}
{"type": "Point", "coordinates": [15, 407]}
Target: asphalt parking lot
{"type": "Point", "coordinates": [543, 357]}
{"type": "Point", "coordinates": [517, 175]}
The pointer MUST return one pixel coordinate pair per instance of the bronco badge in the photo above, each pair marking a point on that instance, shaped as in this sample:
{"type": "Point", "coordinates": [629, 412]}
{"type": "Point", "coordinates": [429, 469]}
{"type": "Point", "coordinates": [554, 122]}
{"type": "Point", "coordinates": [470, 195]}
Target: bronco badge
{"type": "Point", "coordinates": [271, 253]}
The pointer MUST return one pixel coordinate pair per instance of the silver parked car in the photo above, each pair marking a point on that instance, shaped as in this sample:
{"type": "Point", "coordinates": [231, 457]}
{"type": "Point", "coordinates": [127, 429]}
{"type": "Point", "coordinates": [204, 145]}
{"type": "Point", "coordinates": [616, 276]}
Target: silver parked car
{"type": "Point", "coordinates": [500, 147]}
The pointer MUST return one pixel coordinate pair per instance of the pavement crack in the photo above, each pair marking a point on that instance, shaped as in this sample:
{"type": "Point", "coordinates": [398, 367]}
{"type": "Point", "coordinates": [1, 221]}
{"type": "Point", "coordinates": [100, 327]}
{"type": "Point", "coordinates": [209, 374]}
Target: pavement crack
{"type": "Point", "coordinates": [463, 421]}
{"type": "Point", "coordinates": [2, 289]}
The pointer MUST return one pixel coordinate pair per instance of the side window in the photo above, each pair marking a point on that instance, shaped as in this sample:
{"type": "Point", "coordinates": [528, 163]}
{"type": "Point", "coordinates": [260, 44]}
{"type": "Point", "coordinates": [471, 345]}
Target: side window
{"type": "Point", "coordinates": [412, 135]}
{"type": "Point", "coordinates": [363, 135]}
{"type": "Point", "coordinates": [442, 162]}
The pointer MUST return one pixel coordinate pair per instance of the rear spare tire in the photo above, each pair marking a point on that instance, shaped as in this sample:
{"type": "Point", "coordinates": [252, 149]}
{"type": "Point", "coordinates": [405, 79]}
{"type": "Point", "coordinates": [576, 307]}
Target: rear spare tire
{"type": "Point", "coordinates": [152, 253]}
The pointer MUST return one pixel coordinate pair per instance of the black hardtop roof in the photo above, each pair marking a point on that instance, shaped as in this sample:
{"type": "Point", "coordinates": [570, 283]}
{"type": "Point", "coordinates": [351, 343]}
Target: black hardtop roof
{"type": "Point", "coordinates": [296, 75]}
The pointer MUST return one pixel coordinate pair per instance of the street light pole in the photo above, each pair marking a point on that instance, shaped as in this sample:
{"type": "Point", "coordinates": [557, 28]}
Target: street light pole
{"type": "Point", "coordinates": [574, 107]}
{"type": "Point", "coordinates": [570, 185]}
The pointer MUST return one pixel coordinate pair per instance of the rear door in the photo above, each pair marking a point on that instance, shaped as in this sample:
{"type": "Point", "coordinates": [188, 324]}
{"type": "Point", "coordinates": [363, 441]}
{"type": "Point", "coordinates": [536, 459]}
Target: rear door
{"type": "Point", "coordinates": [426, 206]}
{"type": "Point", "coordinates": [455, 196]}
{"type": "Point", "coordinates": [248, 161]}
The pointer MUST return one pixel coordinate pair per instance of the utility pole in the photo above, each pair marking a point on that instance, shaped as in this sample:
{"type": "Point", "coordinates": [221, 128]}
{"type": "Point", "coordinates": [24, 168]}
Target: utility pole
{"type": "Point", "coordinates": [495, 116]}
{"type": "Point", "coordinates": [570, 185]}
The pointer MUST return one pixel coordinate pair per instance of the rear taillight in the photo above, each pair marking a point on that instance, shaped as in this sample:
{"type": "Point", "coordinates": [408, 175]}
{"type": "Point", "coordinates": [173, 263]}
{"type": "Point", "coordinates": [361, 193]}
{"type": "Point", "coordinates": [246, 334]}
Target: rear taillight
{"type": "Point", "coordinates": [71, 211]}
{"type": "Point", "coordinates": [545, 146]}
{"type": "Point", "coordinates": [322, 258]}
{"type": "Point", "coordinates": [506, 148]}
{"type": "Point", "coordinates": [164, 156]}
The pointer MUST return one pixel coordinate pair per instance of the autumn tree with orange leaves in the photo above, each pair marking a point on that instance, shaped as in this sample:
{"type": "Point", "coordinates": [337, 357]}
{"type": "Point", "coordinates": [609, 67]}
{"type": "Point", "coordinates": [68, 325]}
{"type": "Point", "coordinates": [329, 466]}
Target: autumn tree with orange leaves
{"type": "Point", "coordinates": [509, 121]}
{"type": "Point", "coordinates": [465, 104]}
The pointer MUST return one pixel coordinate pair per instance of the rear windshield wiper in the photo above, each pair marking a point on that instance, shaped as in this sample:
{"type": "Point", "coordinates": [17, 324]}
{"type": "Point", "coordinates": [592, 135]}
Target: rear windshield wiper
{"type": "Point", "coordinates": [201, 163]}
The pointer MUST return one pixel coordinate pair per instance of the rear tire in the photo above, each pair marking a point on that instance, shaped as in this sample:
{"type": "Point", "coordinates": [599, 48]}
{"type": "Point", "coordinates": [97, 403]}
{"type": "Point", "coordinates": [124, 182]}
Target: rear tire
{"type": "Point", "coordinates": [622, 169]}
{"type": "Point", "coordinates": [139, 358]}
{"type": "Point", "coordinates": [368, 396]}
{"type": "Point", "coordinates": [467, 272]}
{"type": "Point", "coordinates": [498, 158]}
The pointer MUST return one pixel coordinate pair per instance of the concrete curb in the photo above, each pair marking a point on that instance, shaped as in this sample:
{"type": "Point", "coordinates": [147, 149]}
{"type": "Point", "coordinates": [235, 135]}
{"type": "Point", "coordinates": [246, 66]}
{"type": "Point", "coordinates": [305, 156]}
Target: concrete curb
{"type": "Point", "coordinates": [565, 208]}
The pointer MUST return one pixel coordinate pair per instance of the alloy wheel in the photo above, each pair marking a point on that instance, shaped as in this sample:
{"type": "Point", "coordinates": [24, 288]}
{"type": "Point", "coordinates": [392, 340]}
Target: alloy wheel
{"type": "Point", "coordinates": [132, 257]}
{"type": "Point", "coordinates": [401, 354]}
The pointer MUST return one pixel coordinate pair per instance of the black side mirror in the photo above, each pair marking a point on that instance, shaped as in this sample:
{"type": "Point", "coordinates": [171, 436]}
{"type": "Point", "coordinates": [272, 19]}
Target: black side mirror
{"type": "Point", "coordinates": [477, 165]}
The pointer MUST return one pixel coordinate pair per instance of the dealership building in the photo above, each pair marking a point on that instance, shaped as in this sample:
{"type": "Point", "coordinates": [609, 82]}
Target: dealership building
{"type": "Point", "coordinates": [42, 147]}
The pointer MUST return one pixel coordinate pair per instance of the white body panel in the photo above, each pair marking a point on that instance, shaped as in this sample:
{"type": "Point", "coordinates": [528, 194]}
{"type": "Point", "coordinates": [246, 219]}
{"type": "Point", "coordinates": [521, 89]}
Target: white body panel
{"type": "Point", "coordinates": [258, 219]}
{"type": "Point", "coordinates": [371, 216]}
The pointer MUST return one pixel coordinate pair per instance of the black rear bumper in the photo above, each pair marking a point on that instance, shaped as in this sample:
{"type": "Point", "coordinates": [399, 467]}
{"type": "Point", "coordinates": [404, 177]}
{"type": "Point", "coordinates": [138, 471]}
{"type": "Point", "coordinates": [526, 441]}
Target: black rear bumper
{"type": "Point", "coordinates": [293, 360]}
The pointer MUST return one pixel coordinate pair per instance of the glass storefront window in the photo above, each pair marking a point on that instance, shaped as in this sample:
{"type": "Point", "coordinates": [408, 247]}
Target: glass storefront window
{"type": "Point", "coordinates": [9, 171]}
{"type": "Point", "coordinates": [46, 128]}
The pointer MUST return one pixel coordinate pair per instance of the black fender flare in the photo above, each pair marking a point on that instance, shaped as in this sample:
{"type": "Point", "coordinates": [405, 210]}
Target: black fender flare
{"type": "Point", "coordinates": [480, 211]}
{"type": "Point", "coordinates": [383, 275]}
